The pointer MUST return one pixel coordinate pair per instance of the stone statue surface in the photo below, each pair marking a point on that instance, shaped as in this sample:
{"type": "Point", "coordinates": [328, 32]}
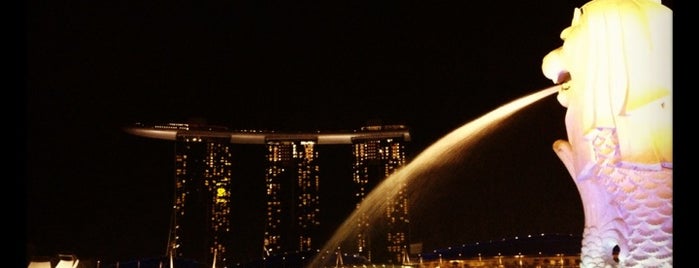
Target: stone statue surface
{"type": "Point", "coordinates": [615, 67]}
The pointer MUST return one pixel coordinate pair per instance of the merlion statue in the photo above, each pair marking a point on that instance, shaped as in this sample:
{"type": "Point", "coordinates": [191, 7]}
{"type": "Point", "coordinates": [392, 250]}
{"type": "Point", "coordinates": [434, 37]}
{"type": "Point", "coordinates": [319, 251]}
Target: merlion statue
{"type": "Point", "coordinates": [615, 71]}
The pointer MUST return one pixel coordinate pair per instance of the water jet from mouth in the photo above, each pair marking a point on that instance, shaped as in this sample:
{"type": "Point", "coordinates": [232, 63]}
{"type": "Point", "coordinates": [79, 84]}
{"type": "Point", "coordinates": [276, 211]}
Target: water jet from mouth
{"type": "Point", "coordinates": [443, 152]}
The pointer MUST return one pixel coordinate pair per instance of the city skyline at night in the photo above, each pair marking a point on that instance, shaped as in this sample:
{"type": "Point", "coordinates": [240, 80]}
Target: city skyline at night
{"type": "Point", "coordinates": [89, 188]}
{"type": "Point", "coordinates": [204, 168]}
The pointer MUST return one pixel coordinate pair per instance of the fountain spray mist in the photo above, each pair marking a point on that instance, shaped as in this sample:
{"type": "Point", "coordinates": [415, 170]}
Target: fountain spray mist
{"type": "Point", "coordinates": [435, 156]}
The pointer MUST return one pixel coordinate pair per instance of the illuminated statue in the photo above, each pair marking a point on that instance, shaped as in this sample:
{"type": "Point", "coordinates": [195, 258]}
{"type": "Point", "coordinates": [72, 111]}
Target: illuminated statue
{"type": "Point", "coordinates": [615, 67]}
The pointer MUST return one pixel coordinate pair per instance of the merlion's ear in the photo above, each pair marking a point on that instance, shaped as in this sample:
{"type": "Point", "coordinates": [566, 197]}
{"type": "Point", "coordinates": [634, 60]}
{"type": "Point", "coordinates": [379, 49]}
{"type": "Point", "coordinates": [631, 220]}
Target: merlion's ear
{"type": "Point", "coordinates": [576, 20]}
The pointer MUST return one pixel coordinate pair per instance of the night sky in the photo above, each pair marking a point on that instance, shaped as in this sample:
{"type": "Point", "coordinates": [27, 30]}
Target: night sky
{"type": "Point", "coordinates": [94, 67]}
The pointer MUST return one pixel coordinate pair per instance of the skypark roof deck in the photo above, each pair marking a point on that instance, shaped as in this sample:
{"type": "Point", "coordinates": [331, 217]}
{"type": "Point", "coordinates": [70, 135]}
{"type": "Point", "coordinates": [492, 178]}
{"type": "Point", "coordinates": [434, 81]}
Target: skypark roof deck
{"type": "Point", "coordinates": [171, 130]}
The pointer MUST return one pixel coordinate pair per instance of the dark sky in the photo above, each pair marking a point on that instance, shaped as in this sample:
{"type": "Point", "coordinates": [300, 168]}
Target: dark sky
{"type": "Point", "coordinates": [94, 67]}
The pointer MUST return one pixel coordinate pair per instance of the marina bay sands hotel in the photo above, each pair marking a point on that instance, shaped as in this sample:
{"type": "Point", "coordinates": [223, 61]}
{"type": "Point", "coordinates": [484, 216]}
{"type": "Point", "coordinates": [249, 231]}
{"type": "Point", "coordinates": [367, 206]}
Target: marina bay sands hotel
{"type": "Point", "coordinates": [203, 175]}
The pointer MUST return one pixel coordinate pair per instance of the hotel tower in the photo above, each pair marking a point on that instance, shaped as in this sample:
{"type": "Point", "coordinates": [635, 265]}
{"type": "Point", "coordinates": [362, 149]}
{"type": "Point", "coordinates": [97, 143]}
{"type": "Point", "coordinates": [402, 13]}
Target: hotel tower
{"type": "Point", "coordinates": [201, 215]}
{"type": "Point", "coordinates": [375, 159]}
{"type": "Point", "coordinates": [292, 188]}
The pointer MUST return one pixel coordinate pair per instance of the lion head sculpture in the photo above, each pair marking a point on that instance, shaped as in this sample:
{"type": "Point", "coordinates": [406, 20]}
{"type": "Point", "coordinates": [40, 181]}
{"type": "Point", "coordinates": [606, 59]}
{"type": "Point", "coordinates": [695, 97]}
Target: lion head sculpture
{"type": "Point", "coordinates": [616, 68]}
